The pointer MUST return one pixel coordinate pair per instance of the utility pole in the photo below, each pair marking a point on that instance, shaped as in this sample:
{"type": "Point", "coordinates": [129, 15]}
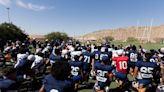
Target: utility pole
{"type": "Point", "coordinates": [138, 22]}
{"type": "Point", "coordinates": [8, 11]}
{"type": "Point", "coordinates": [151, 24]}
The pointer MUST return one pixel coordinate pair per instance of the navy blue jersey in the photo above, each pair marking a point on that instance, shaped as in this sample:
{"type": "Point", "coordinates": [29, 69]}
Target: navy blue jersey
{"type": "Point", "coordinates": [133, 56]}
{"type": "Point", "coordinates": [108, 54]}
{"type": "Point", "coordinates": [102, 71]}
{"type": "Point", "coordinates": [7, 84]}
{"type": "Point", "coordinates": [154, 59]}
{"type": "Point", "coordinates": [87, 58]}
{"type": "Point", "coordinates": [76, 66]}
{"type": "Point", "coordinates": [53, 85]}
{"type": "Point", "coordinates": [146, 69]}
{"type": "Point", "coordinates": [53, 58]}
{"type": "Point", "coordinates": [96, 55]}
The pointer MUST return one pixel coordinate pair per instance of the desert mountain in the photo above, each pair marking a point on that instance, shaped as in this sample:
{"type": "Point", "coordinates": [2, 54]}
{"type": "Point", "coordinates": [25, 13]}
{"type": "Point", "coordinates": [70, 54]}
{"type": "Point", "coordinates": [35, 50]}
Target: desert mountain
{"type": "Point", "coordinates": [146, 33]}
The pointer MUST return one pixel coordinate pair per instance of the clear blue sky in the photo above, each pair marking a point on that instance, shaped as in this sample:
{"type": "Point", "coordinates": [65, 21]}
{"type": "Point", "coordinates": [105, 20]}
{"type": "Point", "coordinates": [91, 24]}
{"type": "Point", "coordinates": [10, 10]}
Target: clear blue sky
{"type": "Point", "coordinates": [80, 16]}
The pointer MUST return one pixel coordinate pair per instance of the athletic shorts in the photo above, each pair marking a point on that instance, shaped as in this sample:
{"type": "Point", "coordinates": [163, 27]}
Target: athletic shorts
{"type": "Point", "coordinates": [76, 79]}
{"type": "Point", "coordinates": [131, 64]}
{"type": "Point", "coordinates": [119, 75]}
{"type": "Point", "coordinates": [143, 82]}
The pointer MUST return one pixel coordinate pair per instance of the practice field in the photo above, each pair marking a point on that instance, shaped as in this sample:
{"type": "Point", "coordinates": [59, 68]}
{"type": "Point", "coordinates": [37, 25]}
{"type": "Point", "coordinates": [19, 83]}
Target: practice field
{"type": "Point", "coordinates": [114, 86]}
{"type": "Point", "coordinates": [147, 46]}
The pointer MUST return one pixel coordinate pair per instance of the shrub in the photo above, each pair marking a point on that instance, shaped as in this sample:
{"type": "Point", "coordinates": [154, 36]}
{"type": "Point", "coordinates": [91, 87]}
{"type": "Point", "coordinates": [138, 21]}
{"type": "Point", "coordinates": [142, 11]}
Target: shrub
{"type": "Point", "coordinates": [132, 39]}
{"type": "Point", "coordinates": [108, 38]}
{"type": "Point", "coordinates": [57, 36]}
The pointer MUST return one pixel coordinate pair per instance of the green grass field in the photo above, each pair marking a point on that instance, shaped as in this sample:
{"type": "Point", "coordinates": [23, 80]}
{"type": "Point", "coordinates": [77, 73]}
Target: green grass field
{"type": "Point", "coordinates": [147, 46]}
{"type": "Point", "coordinates": [113, 85]}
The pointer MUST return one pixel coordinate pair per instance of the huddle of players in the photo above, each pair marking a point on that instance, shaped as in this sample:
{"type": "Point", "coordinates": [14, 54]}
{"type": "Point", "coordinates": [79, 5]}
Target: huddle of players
{"type": "Point", "coordinates": [104, 63]}
{"type": "Point", "coordinates": [107, 65]}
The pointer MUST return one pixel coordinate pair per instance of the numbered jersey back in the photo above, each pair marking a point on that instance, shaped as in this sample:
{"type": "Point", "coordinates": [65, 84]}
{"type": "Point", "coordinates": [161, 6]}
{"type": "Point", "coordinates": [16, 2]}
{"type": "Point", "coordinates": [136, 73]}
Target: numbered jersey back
{"type": "Point", "coordinates": [121, 63]}
{"type": "Point", "coordinates": [101, 75]}
{"type": "Point", "coordinates": [97, 55]}
{"type": "Point", "coordinates": [146, 69]}
{"type": "Point", "coordinates": [103, 55]}
{"type": "Point", "coordinates": [87, 59]}
{"type": "Point", "coordinates": [133, 57]}
{"type": "Point", "coordinates": [75, 70]}
{"type": "Point", "coordinates": [87, 56]}
{"type": "Point", "coordinates": [146, 72]}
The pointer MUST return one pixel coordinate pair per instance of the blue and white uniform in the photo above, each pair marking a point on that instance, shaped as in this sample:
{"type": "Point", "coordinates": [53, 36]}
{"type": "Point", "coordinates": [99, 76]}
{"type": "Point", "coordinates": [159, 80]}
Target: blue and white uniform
{"type": "Point", "coordinates": [102, 77]}
{"type": "Point", "coordinates": [87, 58]}
{"type": "Point", "coordinates": [133, 58]}
{"type": "Point", "coordinates": [146, 72]}
{"type": "Point", "coordinates": [7, 84]}
{"type": "Point", "coordinates": [96, 55]}
{"type": "Point", "coordinates": [54, 58]}
{"type": "Point", "coordinates": [21, 60]}
{"type": "Point", "coordinates": [76, 66]}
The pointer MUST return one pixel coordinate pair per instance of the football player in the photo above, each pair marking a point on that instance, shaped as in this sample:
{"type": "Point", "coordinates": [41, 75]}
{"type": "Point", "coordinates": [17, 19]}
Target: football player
{"type": "Point", "coordinates": [96, 57]}
{"type": "Point", "coordinates": [55, 56]}
{"type": "Point", "coordinates": [76, 71]}
{"type": "Point", "coordinates": [103, 73]}
{"type": "Point", "coordinates": [121, 67]}
{"type": "Point", "coordinates": [57, 80]}
{"type": "Point", "coordinates": [87, 61]}
{"type": "Point", "coordinates": [105, 52]}
{"type": "Point", "coordinates": [144, 72]}
{"type": "Point", "coordinates": [160, 87]}
{"type": "Point", "coordinates": [134, 56]}
{"type": "Point", "coordinates": [8, 83]}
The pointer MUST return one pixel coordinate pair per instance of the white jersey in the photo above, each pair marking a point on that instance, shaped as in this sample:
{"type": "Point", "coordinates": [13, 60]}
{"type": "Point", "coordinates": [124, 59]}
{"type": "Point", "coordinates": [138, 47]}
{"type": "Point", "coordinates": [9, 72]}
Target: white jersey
{"type": "Point", "coordinates": [78, 53]}
{"type": "Point", "coordinates": [45, 50]}
{"type": "Point", "coordinates": [21, 59]}
{"type": "Point", "coordinates": [38, 50]}
{"type": "Point", "coordinates": [64, 52]}
{"type": "Point", "coordinates": [92, 48]}
{"type": "Point", "coordinates": [38, 60]}
{"type": "Point", "coordinates": [110, 49]}
{"type": "Point", "coordinates": [71, 48]}
{"type": "Point", "coordinates": [114, 53]}
{"type": "Point", "coordinates": [7, 49]}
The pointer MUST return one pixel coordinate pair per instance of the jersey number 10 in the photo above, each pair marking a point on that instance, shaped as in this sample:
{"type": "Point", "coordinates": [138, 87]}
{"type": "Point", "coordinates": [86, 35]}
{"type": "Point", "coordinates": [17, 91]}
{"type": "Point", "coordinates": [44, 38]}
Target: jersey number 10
{"type": "Point", "coordinates": [123, 65]}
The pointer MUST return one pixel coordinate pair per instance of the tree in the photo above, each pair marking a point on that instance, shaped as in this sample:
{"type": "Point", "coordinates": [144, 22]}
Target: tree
{"type": "Point", "coordinates": [109, 38]}
{"type": "Point", "coordinates": [132, 39]}
{"type": "Point", "coordinates": [159, 40]}
{"type": "Point", "coordinates": [57, 36]}
{"type": "Point", "coordinates": [10, 31]}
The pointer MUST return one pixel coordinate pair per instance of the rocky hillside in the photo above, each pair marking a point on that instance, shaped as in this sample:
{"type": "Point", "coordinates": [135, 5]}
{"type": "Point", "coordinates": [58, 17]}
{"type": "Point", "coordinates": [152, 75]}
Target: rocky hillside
{"type": "Point", "coordinates": [145, 33]}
